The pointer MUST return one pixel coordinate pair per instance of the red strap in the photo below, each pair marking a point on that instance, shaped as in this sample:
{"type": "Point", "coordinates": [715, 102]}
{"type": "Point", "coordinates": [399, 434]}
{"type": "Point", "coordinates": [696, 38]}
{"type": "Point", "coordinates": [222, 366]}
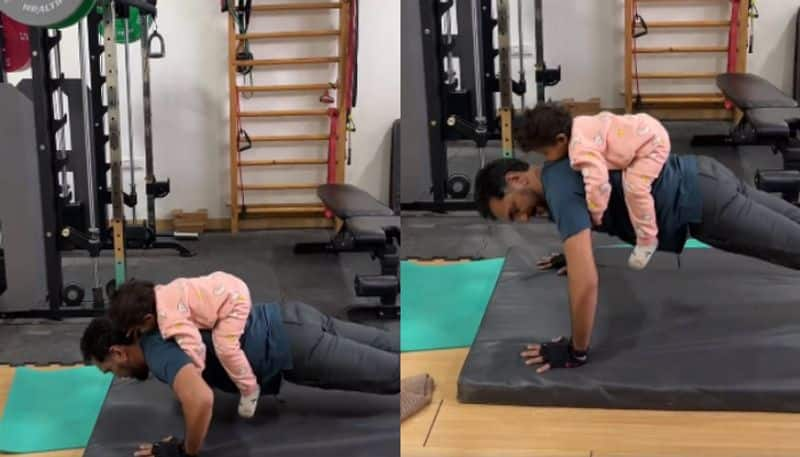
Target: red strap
{"type": "Point", "coordinates": [351, 57]}
{"type": "Point", "coordinates": [333, 114]}
{"type": "Point", "coordinates": [733, 35]}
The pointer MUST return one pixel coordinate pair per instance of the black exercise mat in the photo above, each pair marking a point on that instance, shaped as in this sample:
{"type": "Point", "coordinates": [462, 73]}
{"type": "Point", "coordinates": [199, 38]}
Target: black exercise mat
{"type": "Point", "coordinates": [301, 422]}
{"type": "Point", "coordinates": [722, 332]}
{"type": "Point", "coordinates": [42, 343]}
{"type": "Point", "coordinates": [471, 237]}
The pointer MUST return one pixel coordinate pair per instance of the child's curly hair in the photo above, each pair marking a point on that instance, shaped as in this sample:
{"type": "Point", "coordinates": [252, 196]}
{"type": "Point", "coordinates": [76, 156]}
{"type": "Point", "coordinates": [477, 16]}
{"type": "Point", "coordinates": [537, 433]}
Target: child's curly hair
{"type": "Point", "coordinates": [539, 127]}
{"type": "Point", "coordinates": [131, 303]}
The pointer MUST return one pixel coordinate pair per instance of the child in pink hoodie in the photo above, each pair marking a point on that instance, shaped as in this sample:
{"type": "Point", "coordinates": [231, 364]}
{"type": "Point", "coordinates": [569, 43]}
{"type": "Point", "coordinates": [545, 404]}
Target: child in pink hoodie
{"type": "Point", "coordinates": [638, 145]}
{"type": "Point", "coordinates": [179, 310]}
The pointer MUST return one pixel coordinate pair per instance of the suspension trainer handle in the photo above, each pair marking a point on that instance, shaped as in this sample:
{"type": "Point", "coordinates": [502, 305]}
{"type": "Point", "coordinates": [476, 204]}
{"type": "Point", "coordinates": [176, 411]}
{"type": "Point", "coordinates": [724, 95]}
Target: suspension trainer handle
{"type": "Point", "coordinates": [638, 19]}
{"type": "Point", "coordinates": [162, 50]}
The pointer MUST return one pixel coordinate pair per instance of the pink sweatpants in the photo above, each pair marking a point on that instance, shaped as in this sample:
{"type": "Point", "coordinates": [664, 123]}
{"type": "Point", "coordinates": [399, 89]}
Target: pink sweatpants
{"type": "Point", "coordinates": [219, 302]}
{"type": "Point", "coordinates": [636, 144]}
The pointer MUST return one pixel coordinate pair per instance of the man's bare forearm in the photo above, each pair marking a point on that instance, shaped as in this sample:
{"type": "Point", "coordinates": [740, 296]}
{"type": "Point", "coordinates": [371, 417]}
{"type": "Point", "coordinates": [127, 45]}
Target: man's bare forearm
{"type": "Point", "coordinates": [583, 307]}
{"type": "Point", "coordinates": [583, 286]}
{"type": "Point", "coordinates": [197, 402]}
{"type": "Point", "coordinates": [197, 417]}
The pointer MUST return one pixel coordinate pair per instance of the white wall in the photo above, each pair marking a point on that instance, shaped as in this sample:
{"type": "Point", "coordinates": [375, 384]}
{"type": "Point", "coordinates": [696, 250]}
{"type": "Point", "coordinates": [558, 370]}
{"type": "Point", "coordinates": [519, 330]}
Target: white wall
{"type": "Point", "coordinates": [190, 103]}
{"type": "Point", "coordinates": [378, 103]}
{"type": "Point", "coordinates": [586, 37]}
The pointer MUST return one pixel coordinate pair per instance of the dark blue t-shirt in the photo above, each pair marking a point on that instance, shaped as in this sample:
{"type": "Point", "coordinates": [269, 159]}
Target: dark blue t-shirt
{"type": "Point", "coordinates": [264, 343]}
{"type": "Point", "coordinates": [675, 193]}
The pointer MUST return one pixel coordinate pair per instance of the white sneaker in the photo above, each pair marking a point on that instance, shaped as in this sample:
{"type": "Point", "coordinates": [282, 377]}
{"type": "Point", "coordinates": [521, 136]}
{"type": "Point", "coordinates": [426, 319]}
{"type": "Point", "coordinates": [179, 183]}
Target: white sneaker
{"type": "Point", "coordinates": [641, 256]}
{"type": "Point", "coordinates": [248, 404]}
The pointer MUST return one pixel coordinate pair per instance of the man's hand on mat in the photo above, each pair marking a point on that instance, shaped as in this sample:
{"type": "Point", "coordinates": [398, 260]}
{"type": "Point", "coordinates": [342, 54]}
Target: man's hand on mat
{"type": "Point", "coordinates": [169, 447]}
{"type": "Point", "coordinates": [532, 356]}
{"type": "Point", "coordinates": [552, 262]}
{"type": "Point", "coordinates": [145, 450]}
{"type": "Point", "coordinates": [557, 354]}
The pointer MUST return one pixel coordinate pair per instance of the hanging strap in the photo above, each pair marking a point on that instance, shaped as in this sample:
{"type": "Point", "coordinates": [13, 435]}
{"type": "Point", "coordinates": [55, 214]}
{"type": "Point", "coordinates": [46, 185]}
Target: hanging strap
{"type": "Point", "coordinates": [333, 115]}
{"type": "Point", "coordinates": [354, 55]}
{"type": "Point", "coordinates": [246, 7]}
{"type": "Point", "coordinates": [638, 101]}
{"type": "Point", "coordinates": [351, 90]}
{"type": "Point", "coordinates": [639, 20]}
{"type": "Point", "coordinates": [243, 143]}
{"type": "Point", "coordinates": [752, 11]}
{"type": "Point", "coordinates": [156, 38]}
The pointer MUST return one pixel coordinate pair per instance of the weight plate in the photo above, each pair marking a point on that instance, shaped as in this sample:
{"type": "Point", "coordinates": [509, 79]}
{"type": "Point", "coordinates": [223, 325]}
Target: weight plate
{"type": "Point", "coordinates": [79, 14]}
{"type": "Point", "coordinates": [458, 186]}
{"type": "Point", "coordinates": [134, 28]}
{"type": "Point", "coordinates": [41, 13]}
{"type": "Point", "coordinates": [17, 50]}
{"type": "Point", "coordinates": [73, 295]}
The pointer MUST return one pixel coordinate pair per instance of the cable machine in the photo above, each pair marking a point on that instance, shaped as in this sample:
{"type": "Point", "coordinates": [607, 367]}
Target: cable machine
{"type": "Point", "coordinates": [66, 214]}
{"type": "Point", "coordinates": [468, 89]}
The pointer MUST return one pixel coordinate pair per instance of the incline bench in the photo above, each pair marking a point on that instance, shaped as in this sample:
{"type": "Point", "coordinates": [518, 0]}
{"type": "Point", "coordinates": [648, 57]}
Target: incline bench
{"type": "Point", "coordinates": [367, 226]}
{"type": "Point", "coordinates": [769, 117]}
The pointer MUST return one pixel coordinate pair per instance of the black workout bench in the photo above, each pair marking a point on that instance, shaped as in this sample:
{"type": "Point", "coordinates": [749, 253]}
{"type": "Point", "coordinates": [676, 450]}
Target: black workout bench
{"type": "Point", "coordinates": [769, 117]}
{"type": "Point", "coordinates": [367, 225]}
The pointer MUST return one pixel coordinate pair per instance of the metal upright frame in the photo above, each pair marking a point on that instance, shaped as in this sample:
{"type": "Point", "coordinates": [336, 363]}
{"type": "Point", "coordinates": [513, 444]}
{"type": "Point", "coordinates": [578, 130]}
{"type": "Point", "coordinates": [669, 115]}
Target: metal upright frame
{"type": "Point", "coordinates": [432, 59]}
{"type": "Point", "coordinates": [99, 110]}
{"type": "Point", "coordinates": [56, 233]}
{"type": "Point", "coordinates": [115, 147]}
{"type": "Point", "coordinates": [46, 126]}
{"type": "Point", "coordinates": [491, 82]}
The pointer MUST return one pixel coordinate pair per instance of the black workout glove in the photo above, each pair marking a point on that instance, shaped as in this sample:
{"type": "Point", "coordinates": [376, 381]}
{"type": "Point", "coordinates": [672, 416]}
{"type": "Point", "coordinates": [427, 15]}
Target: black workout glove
{"type": "Point", "coordinates": [558, 261]}
{"type": "Point", "coordinates": [170, 448]}
{"type": "Point", "coordinates": [561, 354]}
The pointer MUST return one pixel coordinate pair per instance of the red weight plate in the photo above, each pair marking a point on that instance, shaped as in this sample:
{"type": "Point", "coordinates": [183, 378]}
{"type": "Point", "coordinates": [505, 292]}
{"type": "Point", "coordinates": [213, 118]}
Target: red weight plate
{"type": "Point", "coordinates": [17, 45]}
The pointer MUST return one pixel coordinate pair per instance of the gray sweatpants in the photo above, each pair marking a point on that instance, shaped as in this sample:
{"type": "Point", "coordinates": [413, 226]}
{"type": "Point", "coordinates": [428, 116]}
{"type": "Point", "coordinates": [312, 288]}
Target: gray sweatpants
{"type": "Point", "coordinates": [741, 219]}
{"type": "Point", "coordinates": [334, 354]}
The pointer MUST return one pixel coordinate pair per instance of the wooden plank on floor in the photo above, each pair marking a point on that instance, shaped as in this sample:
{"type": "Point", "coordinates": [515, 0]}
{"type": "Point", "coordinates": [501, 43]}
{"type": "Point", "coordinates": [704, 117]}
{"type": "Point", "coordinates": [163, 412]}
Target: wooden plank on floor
{"type": "Point", "coordinates": [696, 114]}
{"type": "Point", "coordinates": [273, 223]}
{"type": "Point", "coordinates": [279, 222]}
{"type": "Point", "coordinates": [6, 378]}
{"type": "Point", "coordinates": [452, 452]}
{"type": "Point", "coordinates": [605, 433]}
{"type": "Point", "coordinates": [656, 433]}
{"type": "Point", "coordinates": [444, 367]}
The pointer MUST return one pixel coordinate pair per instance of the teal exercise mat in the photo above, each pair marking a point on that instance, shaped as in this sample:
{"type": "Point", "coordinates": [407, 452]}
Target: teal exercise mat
{"type": "Point", "coordinates": [443, 304]}
{"type": "Point", "coordinates": [53, 409]}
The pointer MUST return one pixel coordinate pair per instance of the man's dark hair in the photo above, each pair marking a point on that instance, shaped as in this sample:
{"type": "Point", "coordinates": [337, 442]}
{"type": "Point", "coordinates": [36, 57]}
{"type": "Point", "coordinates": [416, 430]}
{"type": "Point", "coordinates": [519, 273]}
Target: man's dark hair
{"type": "Point", "coordinates": [539, 127]}
{"type": "Point", "coordinates": [490, 182]}
{"type": "Point", "coordinates": [98, 338]}
{"type": "Point", "coordinates": [131, 303]}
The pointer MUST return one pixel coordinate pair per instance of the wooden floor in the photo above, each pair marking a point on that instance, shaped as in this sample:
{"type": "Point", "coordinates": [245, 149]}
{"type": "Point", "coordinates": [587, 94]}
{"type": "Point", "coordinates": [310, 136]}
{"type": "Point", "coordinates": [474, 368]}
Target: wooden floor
{"type": "Point", "coordinates": [6, 376]}
{"type": "Point", "coordinates": [447, 428]}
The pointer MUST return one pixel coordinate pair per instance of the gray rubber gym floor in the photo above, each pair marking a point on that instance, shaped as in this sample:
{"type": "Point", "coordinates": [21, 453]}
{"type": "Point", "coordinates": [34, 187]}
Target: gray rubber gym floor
{"type": "Point", "coordinates": [465, 235]}
{"type": "Point", "coordinates": [263, 259]}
